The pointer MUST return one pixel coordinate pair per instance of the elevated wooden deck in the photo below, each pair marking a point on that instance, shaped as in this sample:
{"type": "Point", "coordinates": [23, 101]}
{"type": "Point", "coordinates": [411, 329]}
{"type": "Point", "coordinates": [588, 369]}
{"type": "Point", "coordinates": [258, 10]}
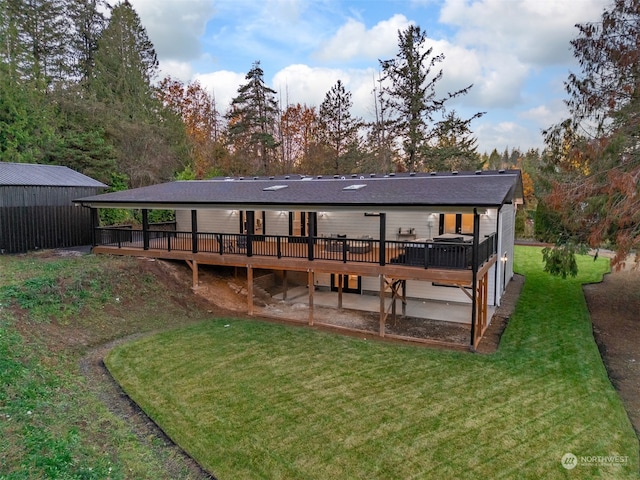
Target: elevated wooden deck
{"type": "Point", "coordinates": [361, 257]}
{"type": "Point", "coordinates": [442, 262]}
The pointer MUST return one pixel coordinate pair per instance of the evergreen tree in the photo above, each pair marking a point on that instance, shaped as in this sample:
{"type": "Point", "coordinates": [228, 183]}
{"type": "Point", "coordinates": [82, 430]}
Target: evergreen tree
{"type": "Point", "coordinates": [26, 123]}
{"type": "Point", "coordinates": [82, 143]}
{"type": "Point", "coordinates": [150, 139]}
{"type": "Point", "coordinates": [125, 64]}
{"type": "Point", "coordinates": [252, 123]}
{"type": "Point", "coordinates": [338, 129]}
{"type": "Point", "coordinates": [88, 23]}
{"type": "Point", "coordinates": [409, 90]}
{"type": "Point", "coordinates": [38, 39]}
{"type": "Point", "coordinates": [455, 148]}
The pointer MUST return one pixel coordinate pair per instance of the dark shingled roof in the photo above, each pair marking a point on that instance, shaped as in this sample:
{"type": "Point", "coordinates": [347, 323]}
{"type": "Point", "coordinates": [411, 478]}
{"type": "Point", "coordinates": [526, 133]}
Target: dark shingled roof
{"type": "Point", "coordinates": [463, 189]}
{"type": "Point", "coordinates": [28, 174]}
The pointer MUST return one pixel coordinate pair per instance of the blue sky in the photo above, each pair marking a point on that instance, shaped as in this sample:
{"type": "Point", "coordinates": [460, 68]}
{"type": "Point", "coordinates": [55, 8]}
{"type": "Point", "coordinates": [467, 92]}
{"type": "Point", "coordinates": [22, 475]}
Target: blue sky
{"type": "Point", "coordinates": [516, 53]}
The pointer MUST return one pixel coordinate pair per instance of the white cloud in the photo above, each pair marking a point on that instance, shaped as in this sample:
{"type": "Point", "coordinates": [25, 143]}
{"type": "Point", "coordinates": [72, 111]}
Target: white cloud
{"type": "Point", "coordinates": [546, 115]}
{"type": "Point", "coordinates": [503, 135]}
{"type": "Point", "coordinates": [177, 70]}
{"type": "Point", "coordinates": [354, 41]}
{"type": "Point", "coordinates": [173, 27]}
{"type": "Point", "coordinates": [309, 85]}
{"type": "Point", "coordinates": [535, 31]}
{"type": "Point", "coordinates": [223, 84]}
{"type": "Point", "coordinates": [304, 84]}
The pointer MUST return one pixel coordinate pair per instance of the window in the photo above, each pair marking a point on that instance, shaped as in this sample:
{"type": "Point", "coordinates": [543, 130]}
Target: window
{"type": "Point", "coordinates": [461, 223]}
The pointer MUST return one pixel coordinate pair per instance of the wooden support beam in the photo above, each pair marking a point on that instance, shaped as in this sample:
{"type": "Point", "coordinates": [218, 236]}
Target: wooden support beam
{"type": "Point", "coordinates": [394, 287]}
{"type": "Point", "coordinates": [404, 298]}
{"type": "Point", "coordinates": [311, 287]}
{"type": "Point", "coordinates": [250, 290]}
{"type": "Point", "coordinates": [193, 265]}
{"type": "Point", "coordinates": [284, 285]}
{"type": "Point", "coordinates": [466, 292]}
{"type": "Point", "coordinates": [340, 280]}
{"type": "Point", "coordinates": [482, 297]}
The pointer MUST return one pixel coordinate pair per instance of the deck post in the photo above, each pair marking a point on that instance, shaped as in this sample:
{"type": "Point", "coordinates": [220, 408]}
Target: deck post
{"type": "Point", "coordinates": [404, 298]}
{"type": "Point", "coordinates": [311, 238]}
{"type": "Point", "coordinates": [194, 231]}
{"type": "Point", "coordinates": [474, 275]}
{"type": "Point", "coordinates": [311, 288]}
{"type": "Point", "coordinates": [284, 285]}
{"type": "Point", "coordinates": [382, 312]}
{"type": "Point", "coordinates": [145, 228]}
{"type": "Point", "coordinates": [250, 290]}
{"type": "Point", "coordinates": [95, 223]}
{"type": "Point", "coordinates": [194, 274]}
{"type": "Point", "coordinates": [250, 231]}
{"type": "Point", "coordinates": [340, 280]}
{"type": "Point", "coordinates": [383, 239]}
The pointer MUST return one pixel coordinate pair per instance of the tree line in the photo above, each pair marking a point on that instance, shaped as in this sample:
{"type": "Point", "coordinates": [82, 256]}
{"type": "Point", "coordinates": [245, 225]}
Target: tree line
{"type": "Point", "coordinates": [79, 88]}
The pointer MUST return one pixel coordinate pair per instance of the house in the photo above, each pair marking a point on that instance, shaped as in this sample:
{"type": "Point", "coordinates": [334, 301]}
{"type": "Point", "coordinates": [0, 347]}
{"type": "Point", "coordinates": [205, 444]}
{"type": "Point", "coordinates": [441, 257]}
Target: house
{"type": "Point", "coordinates": [433, 236]}
{"type": "Point", "coordinates": [37, 209]}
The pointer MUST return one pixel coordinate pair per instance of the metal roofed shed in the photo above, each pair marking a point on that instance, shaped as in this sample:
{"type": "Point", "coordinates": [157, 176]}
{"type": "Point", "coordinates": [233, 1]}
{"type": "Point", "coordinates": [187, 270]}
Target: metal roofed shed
{"type": "Point", "coordinates": [37, 209]}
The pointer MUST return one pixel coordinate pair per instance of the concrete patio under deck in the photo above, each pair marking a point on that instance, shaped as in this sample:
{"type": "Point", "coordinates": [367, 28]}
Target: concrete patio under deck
{"type": "Point", "coordinates": [428, 309]}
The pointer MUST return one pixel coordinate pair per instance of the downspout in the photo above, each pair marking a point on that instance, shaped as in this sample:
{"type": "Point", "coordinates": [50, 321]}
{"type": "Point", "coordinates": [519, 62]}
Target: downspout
{"type": "Point", "coordinates": [498, 248]}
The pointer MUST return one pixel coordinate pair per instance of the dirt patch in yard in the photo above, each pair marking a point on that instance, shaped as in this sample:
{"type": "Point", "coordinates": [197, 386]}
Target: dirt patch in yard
{"type": "Point", "coordinates": [614, 306]}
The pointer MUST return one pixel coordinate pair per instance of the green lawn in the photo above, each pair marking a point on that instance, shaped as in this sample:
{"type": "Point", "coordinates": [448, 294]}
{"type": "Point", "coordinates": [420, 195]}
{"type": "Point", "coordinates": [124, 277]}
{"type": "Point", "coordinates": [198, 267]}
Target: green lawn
{"type": "Point", "coordinates": [54, 423]}
{"type": "Point", "coordinates": [251, 399]}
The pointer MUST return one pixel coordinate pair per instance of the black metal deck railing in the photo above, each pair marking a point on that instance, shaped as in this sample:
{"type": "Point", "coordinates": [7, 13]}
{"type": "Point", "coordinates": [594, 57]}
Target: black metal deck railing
{"type": "Point", "coordinates": [430, 254]}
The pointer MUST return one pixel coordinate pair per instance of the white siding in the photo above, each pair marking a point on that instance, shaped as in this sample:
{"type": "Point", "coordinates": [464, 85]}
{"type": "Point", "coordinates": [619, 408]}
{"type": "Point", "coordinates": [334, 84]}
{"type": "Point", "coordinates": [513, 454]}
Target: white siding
{"type": "Point", "coordinates": [219, 221]}
{"type": "Point", "coordinates": [356, 224]}
{"type": "Point", "coordinates": [425, 224]}
{"type": "Point", "coordinates": [228, 221]}
{"type": "Point", "coordinates": [506, 241]}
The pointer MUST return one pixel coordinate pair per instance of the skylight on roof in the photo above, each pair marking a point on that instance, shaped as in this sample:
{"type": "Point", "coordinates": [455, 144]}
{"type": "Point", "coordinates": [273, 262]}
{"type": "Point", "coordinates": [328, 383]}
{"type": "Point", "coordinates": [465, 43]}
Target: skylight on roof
{"type": "Point", "coordinates": [354, 187]}
{"type": "Point", "coordinates": [273, 188]}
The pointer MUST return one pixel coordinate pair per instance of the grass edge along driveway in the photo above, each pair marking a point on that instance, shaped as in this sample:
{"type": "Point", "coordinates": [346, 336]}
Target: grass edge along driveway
{"type": "Point", "coordinates": [250, 399]}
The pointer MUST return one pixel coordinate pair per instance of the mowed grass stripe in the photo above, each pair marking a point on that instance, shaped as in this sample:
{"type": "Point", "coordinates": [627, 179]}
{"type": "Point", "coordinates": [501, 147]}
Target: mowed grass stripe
{"type": "Point", "coordinates": [257, 400]}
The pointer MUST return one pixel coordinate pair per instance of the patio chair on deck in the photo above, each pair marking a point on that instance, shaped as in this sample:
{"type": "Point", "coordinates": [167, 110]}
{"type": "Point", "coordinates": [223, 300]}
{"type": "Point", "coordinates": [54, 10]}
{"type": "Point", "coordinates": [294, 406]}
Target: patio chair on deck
{"type": "Point", "coordinates": [241, 244]}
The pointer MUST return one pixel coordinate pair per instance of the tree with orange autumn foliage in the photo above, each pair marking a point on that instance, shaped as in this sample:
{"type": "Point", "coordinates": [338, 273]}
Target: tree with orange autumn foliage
{"type": "Point", "coordinates": [595, 154]}
{"type": "Point", "coordinates": [298, 127]}
{"type": "Point", "coordinates": [197, 108]}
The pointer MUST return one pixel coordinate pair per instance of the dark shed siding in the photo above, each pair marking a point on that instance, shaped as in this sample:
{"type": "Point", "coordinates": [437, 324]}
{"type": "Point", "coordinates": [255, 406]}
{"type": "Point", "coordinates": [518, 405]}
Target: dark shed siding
{"type": "Point", "coordinates": [37, 217]}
